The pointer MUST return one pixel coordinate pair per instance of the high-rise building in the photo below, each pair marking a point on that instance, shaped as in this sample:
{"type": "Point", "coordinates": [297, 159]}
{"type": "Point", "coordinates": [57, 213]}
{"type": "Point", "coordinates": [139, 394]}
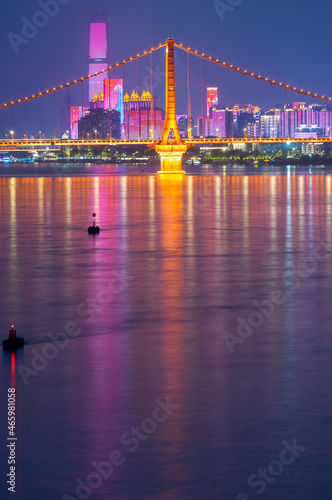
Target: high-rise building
{"type": "Point", "coordinates": [76, 114]}
{"type": "Point", "coordinates": [212, 98]}
{"type": "Point", "coordinates": [269, 125]}
{"type": "Point", "coordinates": [140, 121]}
{"type": "Point", "coordinates": [113, 95]}
{"type": "Point", "coordinates": [182, 121]}
{"type": "Point", "coordinates": [98, 52]}
{"type": "Point", "coordinates": [222, 123]}
{"type": "Point", "coordinates": [253, 130]}
{"type": "Point", "coordinates": [203, 126]}
{"type": "Point", "coordinates": [99, 123]}
{"type": "Point", "coordinates": [240, 110]}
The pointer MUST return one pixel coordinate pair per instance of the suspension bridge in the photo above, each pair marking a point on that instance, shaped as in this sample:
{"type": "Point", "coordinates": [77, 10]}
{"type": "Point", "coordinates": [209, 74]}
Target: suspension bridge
{"type": "Point", "coordinates": [171, 146]}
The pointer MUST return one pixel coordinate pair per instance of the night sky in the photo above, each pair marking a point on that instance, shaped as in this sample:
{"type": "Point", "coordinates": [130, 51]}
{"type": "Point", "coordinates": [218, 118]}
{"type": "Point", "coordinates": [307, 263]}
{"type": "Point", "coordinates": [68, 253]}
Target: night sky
{"type": "Point", "coordinates": [289, 41]}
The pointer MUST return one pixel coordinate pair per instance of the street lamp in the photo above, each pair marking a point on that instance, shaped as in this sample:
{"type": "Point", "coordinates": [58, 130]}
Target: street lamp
{"type": "Point", "coordinates": [12, 132]}
{"type": "Point", "coordinates": [67, 131]}
{"type": "Point", "coordinates": [95, 131]}
{"type": "Point", "coordinates": [40, 135]}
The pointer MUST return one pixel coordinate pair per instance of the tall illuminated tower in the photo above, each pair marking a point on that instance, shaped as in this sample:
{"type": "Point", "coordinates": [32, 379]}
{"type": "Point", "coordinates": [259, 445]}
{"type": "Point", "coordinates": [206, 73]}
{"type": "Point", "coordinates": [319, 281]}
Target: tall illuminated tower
{"type": "Point", "coordinates": [172, 149]}
{"type": "Point", "coordinates": [98, 59]}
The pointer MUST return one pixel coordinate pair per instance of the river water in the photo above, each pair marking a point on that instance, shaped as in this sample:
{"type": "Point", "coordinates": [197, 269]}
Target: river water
{"type": "Point", "coordinates": [185, 352]}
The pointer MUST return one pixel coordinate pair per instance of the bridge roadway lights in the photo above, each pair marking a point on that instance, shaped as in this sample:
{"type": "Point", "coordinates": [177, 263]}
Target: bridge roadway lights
{"type": "Point", "coordinates": [171, 158]}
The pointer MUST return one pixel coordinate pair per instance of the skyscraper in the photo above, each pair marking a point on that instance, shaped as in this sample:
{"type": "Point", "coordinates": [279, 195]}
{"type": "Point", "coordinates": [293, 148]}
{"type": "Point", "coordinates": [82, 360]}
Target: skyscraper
{"type": "Point", "coordinates": [76, 114]}
{"type": "Point", "coordinates": [212, 98]}
{"type": "Point", "coordinates": [140, 120]}
{"type": "Point", "coordinates": [113, 95]}
{"type": "Point", "coordinates": [98, 52]}
{"type": "Point", "coordinates": [222, 123]}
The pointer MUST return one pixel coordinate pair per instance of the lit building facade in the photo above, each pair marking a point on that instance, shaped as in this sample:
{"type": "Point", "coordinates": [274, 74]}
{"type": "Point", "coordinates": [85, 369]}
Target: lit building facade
{"type": "Point", "coordinates": [221, 123]}
{"type": "Point", "coordinates": [99, 123]}
{"type": "Point", "coordinates": [140, 121]}
{"type": "Point", "coordinates": [287, 122]}
{"type": "Point", "coordinates": [212, 98]}
{"type": "Point", "coordinates": [304, 132]}
{"type": "Point", "coordinates": [253, 129]}
{"type": "Point", "coordinates": [76, 114]}
{"type": "Point", "coordinates": [269, 126]}
{"type": "Point", "coordinates": [113, 95]}
{"type": "Point", "coordinates": [97, 52]}
{"type": "Point", "coordinates": [238, 111]}
{"type": "Point", "coordinates": [298, 105]}
{"type": "Point", "coordinates": [182, 121]}
{"type": "Point", "coordinates": [312, 148]}
{"type": "Point", "coordinates": [204, 126]}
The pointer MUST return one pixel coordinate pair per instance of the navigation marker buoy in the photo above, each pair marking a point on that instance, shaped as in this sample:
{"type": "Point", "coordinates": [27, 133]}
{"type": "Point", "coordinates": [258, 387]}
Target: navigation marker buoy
{"type": "Point", "coordinates": [93, 229]}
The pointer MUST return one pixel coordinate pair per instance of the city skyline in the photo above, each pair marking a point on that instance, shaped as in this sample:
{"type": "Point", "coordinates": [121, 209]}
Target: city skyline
{"type": "Point", "coordinates": [72, 45]}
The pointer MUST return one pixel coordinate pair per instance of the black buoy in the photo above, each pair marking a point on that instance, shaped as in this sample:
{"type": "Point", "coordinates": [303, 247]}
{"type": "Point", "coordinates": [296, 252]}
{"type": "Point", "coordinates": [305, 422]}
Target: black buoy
{"type": "Point", "coordinates": [93, 229]}
{"type": "Point", "coordinates": [12, 342]}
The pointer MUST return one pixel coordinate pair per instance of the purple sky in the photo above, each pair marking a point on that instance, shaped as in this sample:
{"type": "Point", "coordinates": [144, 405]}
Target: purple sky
{"type": "Point", "coordinates": [288, 41]}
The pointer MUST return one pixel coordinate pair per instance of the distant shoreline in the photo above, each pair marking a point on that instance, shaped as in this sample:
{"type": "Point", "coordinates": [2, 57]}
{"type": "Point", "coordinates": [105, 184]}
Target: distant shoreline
{"type": "Point", "coordinates": [220, 161]}
{"type": "Point", "coordinates": [283, 162]}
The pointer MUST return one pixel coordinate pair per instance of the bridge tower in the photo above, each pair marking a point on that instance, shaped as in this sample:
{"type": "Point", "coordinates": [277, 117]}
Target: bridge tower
{"type": "Point", "coordinates": [171, 150]}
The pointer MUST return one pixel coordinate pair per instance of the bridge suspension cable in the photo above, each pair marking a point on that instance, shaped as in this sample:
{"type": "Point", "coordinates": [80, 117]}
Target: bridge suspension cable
{"type": "Point", "coordinates": [260, 78]}
{"type": "Point", "coordinates": [82, 79]}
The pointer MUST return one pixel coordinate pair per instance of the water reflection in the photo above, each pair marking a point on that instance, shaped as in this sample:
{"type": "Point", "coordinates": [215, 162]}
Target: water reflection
{"type": "Point", "coordinates": [199, 252]}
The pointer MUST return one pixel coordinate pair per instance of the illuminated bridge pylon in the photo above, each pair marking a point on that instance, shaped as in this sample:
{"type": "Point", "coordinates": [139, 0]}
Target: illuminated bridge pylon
{"type": "Point", "coordinates": [171, 150]}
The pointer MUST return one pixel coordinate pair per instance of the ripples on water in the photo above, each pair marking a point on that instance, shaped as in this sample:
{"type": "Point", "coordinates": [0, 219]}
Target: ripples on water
{"type": "Point", "coordinates": [174, 274]}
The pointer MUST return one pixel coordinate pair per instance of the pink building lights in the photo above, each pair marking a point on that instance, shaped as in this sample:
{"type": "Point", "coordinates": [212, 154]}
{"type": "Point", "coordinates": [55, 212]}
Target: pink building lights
{"type": "Point", "coordinates": [140, 121]}
{"type": "Point", "coordinates": [98, 41]}
{"type": "Point", "coordinates": [212, 98]}
{"type": "Point", "coordinates": [97, 54]}
{"type": "Point", "coordinates": [76, 114]}
{"type": "Point", "coordinates": [113, 95]}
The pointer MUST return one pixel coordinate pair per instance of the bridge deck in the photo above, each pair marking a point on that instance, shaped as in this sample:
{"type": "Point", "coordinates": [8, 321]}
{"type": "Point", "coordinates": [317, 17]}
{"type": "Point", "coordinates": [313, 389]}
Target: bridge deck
{"type": "Point", "coordinates": [18, 144]}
